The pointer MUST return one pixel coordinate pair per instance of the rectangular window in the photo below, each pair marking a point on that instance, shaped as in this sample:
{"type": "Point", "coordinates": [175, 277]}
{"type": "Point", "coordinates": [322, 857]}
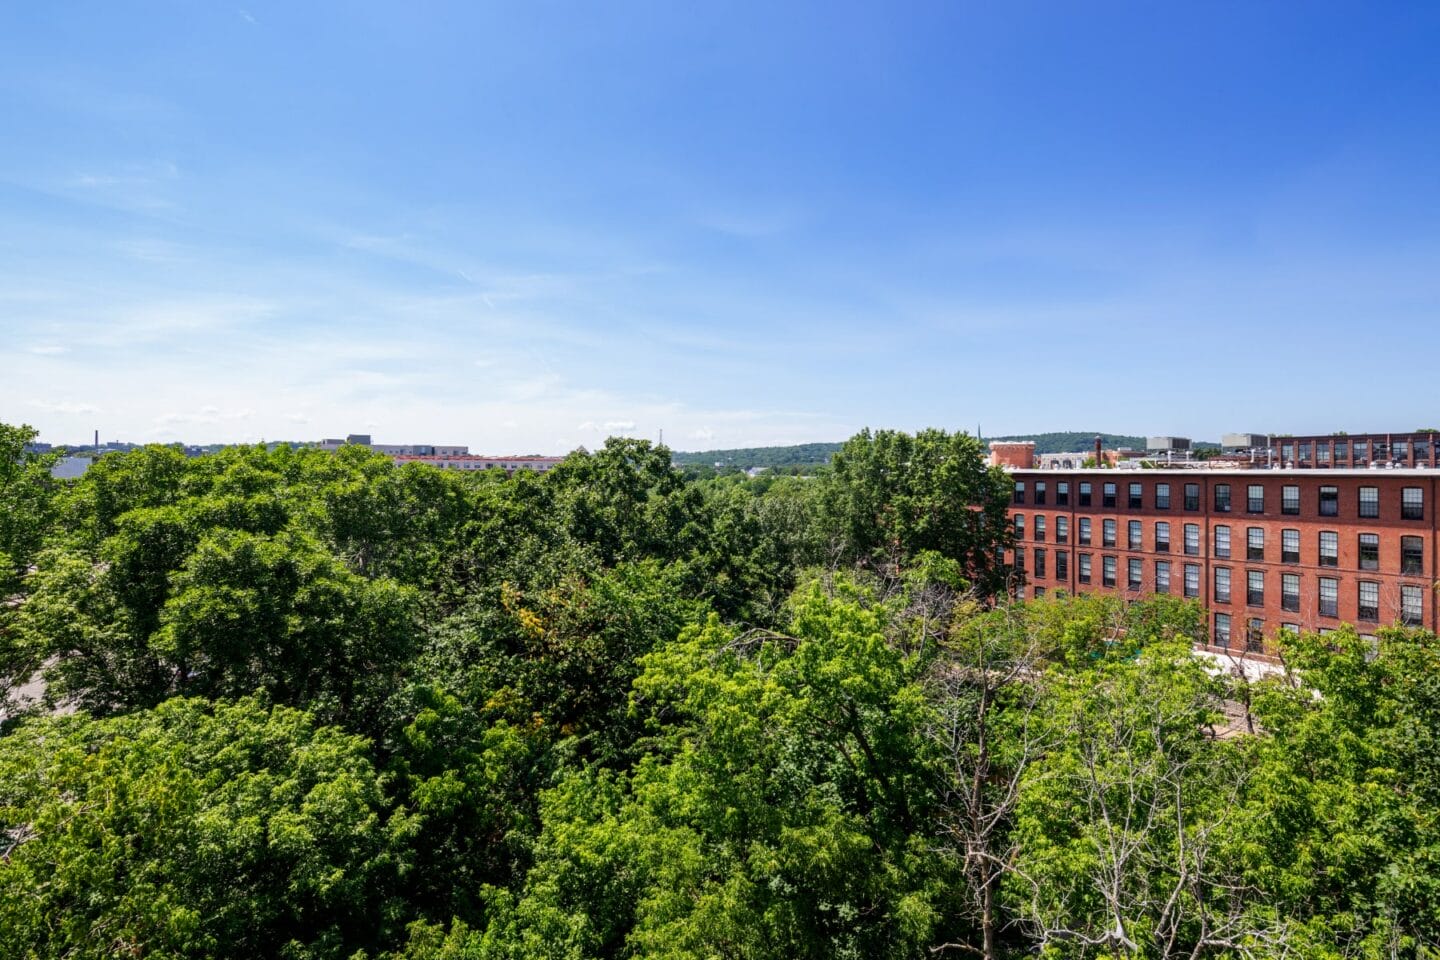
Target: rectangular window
{"type": "Point", "coordinates": [1019, 491]}
{"type": "Point", "coordinates": [1083, 573]}
{"type": "Point", "coordinates": [1255, 543]}
{"type": "Point", "coordinates": [1329, 501]}
{"type": "Point", "coordinates": [1162, 576]}
{"type": "Point", "coordinates": [1132, 535]}
{"type": "Point", "coordinates": [1370, 502]}
{"type": "Point", "coordinates": [1254, 588]}
{"type": "Point", "coordinates": [1192, 579]}
{"type": "Point", "coordinates": [1222, 542]}
{"type": "Point", "coordinates": [1222, 629]}
{"type": "Point", "coordinates": [1062, 493]}
{"type": "Point", "coordinates": [1062, 565]}
{"type": "Point", "coordinates": [1107, 532]}
{"type": "Point", "coordinates": [1362, 451]}
{"type": "Point", "coordinates": [1255, 498]}
{"type": "Point", "coordinates": [1039, 528]}
{"type": "Point", "coordinates": [1289, 546]}
{"type": "Point", "coordinates": [1329, 597]}
{"type": "Point", "coordinates": [1322, 454]}
{"type": "Point", "coordinates": [1412, 606]}
{"type": "Point", "coordinates": [1136, 497]}
{"type": "Point", "coordinates": [1019, 559]}
{"type": "Point", "coordinates": [1412, 504]}
{"type": "Point", "coordinates": [1369, 551]}
{"type": "Point", "coordinates": [1192, 539]}
{"type": "Point", "coordinates": [1222, 585]}
{"type": "Point", "coordinates": [1342, 451]}
{"type": "Point", "coordinates": [1255, 636]}
{"type": "Point", "coordinates": [1305, 454]}
{"type": "Point", "coordinates": [1401, 451]}
{"type": "Point", "coordinates": [1162, 496]}
{"type": "Point", "coordinates": [1287, 453]}
{"type": "Point", "coordinates": [1412, 556]}
{"type": "Point", "coordinates": [1133, 575]}
{"type": "Point", "coordinates": [1369, 606]}
{"type": "Point", "coordinates": [1162, 536]}
{"type": "Point", "coordinates": [1290, 591]}
{"type": "Point", "coordinates": [1107, 571]}
{"type": "Point", "coordinates": [1290, 500]}
{"type": "Point", "coordinates": [1019, 526]}
{"type": "Point", "coordinates": [1107, 495]}
{"type": "Point", "coordinates": [1192, 496]}
{"type": "Point", "coordinates": [1084, 531]}
{"type": "Point", "coordinates": [1040, 557]}
{"type": "Point", "coordinates": [1422, 451]}
{"type": "Point", "coordinates": [1039, 593]}
{"type": "Point", "coordinates": [1062, 529]}
{"type": "Point", "coordinates": [1039, 493]}
{"type": "Point", "coordinates": [1222, 498]}
{"type": "Point", "coordinates": [1329, 548]}
{"type": "Point", "coordinates": [1084, 493]}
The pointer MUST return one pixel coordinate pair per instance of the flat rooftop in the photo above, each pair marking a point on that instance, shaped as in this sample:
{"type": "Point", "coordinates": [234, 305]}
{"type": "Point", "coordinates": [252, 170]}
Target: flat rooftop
{"type": "Point", "coordinates": [1233, 471]}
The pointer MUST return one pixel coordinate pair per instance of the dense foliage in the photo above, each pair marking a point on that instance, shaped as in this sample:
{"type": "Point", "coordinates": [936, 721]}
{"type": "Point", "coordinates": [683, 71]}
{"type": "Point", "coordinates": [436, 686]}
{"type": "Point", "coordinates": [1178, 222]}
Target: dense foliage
{"type": "Point", "coordinates": [314, 705]}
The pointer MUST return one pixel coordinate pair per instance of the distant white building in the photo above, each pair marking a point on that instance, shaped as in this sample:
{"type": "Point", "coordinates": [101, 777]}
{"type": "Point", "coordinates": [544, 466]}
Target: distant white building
{"type": "Point", "coordinates": [396, 449]}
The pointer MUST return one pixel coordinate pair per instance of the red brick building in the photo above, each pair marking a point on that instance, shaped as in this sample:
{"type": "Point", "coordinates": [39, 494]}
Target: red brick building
{"type": "Point", "coordinates": [1262, 549]}
{"type": "Point", "coordinates": [1332, 451]}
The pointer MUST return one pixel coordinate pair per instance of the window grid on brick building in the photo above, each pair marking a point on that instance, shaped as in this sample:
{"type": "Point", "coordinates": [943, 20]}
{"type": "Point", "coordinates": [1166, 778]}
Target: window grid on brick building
{"type": "Point", "coordinates": [1290, 592]}
{"type": "Point", "coordinates": [1329, 597]}
{"type": "Point", "coordinates": [1222, 542]}
{"type": "Point", "coordinates": [1289, 546]}
{"type": "Point", "coordinates": [1254, 588]}
{"type": "Point", "coordinates": [1255, 498]}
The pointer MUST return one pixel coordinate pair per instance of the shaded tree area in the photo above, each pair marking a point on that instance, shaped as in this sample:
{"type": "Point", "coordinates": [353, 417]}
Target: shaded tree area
{"type": "Point", "coordinates": [324, 706]}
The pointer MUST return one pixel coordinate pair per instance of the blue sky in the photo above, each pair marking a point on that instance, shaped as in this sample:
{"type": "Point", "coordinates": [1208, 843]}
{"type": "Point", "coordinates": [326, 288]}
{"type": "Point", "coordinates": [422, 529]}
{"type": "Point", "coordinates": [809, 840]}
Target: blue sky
{"type": "Point", "coordinates": [523, 226]}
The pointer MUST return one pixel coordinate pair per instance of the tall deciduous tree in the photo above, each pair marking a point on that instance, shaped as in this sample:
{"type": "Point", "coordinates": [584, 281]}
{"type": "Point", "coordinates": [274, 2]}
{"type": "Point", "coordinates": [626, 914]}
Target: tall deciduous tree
{"type": "Point", "coordinates": [26, 492]}
{"type": "Point", "coordinates": [890, 495]}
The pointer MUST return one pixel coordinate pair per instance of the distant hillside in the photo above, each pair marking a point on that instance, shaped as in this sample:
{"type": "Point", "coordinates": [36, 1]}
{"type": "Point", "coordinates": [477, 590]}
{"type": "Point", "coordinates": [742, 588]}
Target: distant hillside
{"type": "Point", "coordinates": [808, 456]}
{"type": "Point", "coordinates": [743, 458]}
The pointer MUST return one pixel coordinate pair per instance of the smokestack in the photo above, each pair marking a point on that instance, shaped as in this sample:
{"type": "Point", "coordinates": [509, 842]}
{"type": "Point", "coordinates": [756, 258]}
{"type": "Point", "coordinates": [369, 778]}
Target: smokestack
{"type": "Point", "coordinates": [97, 439]}
{"type": "Point", "coordinates": [1099, 451]}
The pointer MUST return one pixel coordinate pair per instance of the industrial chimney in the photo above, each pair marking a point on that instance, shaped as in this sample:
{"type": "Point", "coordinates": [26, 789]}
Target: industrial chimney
{"type": "Point", "coordinates": [1099, 451]}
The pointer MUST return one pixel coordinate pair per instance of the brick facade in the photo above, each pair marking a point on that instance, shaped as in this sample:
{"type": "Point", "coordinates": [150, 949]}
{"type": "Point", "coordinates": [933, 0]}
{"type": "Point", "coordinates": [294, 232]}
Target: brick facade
{"type": "Point", "coordinates": [1372, 584]}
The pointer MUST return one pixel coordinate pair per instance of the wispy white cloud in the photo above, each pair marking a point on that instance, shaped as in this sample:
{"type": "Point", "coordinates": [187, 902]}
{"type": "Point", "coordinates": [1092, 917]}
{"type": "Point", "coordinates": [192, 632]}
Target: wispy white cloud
{"type": "Point", "coordinates": [48, 349]}
{"type": "Point", "coordinates": [68, 407]}
{"type": "Point", "coordinates": [207, 414]}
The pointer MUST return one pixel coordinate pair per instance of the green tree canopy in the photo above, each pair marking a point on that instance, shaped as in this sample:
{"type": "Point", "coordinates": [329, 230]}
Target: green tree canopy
{"type": "Point", "coordinates": [193, 830]}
